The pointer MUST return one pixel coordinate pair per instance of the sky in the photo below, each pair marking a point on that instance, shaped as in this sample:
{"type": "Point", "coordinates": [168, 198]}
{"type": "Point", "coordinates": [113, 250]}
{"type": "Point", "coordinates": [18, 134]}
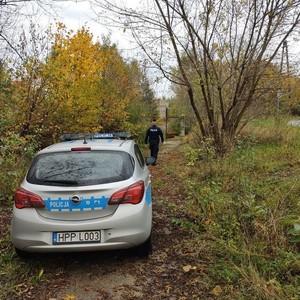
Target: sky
{"type": "Point", "coordinates": [75, 15]}
{"type": "Point", "coordinates": [78, 14]}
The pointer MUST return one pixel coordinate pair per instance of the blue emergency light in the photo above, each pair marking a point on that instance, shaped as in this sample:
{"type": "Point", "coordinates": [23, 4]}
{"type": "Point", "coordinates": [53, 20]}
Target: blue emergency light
{"type": "Point", "coordinates": [92, 136]}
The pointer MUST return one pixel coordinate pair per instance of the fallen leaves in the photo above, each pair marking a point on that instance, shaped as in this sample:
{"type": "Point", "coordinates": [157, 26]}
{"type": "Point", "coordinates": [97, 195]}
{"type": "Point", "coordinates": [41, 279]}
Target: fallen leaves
{"type": "Point", "coordinates": [70, 297]}
{"type": "Point", "coordinates": [189, 268]}
{"type": "Point", "coordinates": [217, 290]}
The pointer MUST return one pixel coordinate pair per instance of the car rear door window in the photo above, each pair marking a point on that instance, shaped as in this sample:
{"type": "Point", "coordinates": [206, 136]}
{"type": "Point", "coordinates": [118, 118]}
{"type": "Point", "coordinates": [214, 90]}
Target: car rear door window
{"type": "Point", "coordinates": [80, 168]}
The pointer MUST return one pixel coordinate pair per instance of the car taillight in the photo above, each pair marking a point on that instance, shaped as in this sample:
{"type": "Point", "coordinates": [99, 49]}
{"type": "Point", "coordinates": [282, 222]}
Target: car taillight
{"type": "Point", "coordinates": [25, 199]}
{"type": "Point", "coordinates": [132, 194]}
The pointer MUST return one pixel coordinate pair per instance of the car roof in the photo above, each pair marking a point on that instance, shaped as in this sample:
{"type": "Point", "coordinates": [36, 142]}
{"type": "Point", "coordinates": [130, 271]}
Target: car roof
{"type": "Point", "coordinates": [94, 144]}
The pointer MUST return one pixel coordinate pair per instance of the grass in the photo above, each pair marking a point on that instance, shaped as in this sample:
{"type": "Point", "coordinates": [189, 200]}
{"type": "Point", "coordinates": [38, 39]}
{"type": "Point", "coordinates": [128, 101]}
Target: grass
{"type": "Point", "coordinates": [248, 203]}
{"type": "Point", "coordinates": [16, 277]}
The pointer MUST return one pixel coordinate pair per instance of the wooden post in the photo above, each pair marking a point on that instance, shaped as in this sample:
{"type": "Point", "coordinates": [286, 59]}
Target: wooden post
{"type": "Point", "coordinates": [182, 126]}
{"type": "Point", "coordinates": [166, 133]}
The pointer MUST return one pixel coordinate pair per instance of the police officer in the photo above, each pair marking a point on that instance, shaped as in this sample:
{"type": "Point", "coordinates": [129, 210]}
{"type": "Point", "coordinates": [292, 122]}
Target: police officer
{"type": "Point", "coordinates": [153, 135]}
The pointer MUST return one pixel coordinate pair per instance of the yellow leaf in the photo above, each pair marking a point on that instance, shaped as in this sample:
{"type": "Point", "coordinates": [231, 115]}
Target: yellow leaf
{"type": "Point", "coordinates": [187, 268]}
{"type": "Point", "coordinates": [217, 290]}
{"type": "Point", "coordinates": [70, 297]}
{"type": "Point", "coordinates": [208, 222]}
{"type": "Point", "coordinates": [41, 273]}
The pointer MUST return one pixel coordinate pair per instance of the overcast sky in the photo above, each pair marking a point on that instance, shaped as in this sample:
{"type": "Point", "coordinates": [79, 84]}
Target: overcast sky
{"type": "Point", "coordinates": [77, 14]}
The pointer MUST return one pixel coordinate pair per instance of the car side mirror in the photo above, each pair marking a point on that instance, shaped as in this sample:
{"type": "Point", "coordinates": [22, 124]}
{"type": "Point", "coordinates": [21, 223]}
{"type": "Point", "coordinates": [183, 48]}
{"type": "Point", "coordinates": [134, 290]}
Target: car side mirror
{"type": "Point", "coordinates": [150, 160]}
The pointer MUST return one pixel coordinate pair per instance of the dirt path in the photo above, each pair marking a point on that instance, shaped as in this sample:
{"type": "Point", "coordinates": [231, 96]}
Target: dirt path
{"type": "Point", "coordinates": [171, 272]}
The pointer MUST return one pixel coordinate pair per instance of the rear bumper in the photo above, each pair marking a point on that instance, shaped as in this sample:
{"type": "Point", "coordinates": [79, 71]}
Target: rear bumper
{"type": "Point", "coordinates": [129, 226]}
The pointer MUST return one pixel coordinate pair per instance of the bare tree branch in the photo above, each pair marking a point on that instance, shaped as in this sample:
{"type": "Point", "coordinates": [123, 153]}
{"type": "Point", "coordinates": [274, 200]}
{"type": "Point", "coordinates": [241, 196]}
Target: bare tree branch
{"type": "Point", "coordinates": [221, 48]}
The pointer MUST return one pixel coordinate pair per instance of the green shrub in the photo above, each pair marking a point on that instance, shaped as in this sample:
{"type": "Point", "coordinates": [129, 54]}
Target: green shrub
{"type": "Point", "coordinates": [15, 155]}
{"type": "Point", "coordinates": [248, 204]}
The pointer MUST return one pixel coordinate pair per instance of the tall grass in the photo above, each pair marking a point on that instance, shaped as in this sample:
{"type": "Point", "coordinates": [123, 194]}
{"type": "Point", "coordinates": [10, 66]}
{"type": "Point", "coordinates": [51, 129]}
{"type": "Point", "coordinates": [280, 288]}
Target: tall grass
{"type": "Point", "coordinates": [249, 202]}
{"type": "Point", "coordinates": [15, 155]}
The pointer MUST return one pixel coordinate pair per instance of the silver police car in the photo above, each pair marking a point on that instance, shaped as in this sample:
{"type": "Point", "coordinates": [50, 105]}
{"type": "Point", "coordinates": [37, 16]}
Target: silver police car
{"type": "Point", "coordinates": [91, 192]}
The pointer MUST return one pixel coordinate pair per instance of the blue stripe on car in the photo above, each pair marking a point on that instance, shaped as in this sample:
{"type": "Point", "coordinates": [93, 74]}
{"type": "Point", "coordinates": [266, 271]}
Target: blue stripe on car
{"type": "Point", "coordinates": [60, 204]}
{"type": "Point", "coordinates": [148, 195]}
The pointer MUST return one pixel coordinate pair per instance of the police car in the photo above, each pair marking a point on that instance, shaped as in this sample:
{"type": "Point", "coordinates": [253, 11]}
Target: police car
{"type": "Point", "coordinates": [91, 192]}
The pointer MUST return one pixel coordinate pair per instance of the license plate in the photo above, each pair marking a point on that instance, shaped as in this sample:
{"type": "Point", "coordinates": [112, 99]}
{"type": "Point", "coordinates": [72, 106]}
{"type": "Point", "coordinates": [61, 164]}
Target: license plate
{"type": "Point", "coordinates": [76, 237]}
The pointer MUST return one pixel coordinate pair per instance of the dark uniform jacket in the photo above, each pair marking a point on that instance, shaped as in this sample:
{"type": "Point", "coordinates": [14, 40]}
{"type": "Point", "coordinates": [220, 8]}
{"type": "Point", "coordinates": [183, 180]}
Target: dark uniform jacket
{"type": "Point", "coordinates": [153, 134]}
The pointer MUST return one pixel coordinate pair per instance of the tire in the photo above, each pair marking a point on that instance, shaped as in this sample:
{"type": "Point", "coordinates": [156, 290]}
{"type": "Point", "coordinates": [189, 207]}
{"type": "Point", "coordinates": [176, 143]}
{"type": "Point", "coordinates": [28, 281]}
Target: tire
{"type": "Point", "coordinates": [145, 249]}
{"type": "Point", "coordinates": [23, 254]}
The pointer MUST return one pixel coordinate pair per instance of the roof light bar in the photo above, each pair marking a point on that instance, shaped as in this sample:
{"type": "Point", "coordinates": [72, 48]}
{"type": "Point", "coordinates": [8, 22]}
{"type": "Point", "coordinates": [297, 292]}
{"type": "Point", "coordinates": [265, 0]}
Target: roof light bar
{"type": "Point", "coordinates": [91, 136]}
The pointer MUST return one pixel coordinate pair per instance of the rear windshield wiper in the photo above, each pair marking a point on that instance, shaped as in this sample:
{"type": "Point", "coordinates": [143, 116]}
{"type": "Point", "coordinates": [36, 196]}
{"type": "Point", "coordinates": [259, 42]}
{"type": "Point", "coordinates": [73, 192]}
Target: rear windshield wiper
{"type": "Point", "coordinates": [73, 182]}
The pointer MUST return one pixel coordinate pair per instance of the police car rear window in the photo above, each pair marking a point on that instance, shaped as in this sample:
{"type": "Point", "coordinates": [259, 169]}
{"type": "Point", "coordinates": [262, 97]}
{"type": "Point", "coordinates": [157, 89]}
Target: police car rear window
{"type": "Point", "coordinates": [80, 168]}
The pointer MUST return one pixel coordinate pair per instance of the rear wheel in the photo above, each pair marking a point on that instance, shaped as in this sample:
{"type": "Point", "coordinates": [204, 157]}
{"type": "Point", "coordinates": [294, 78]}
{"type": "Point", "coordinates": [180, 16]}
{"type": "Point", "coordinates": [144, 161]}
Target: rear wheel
{"type": "Point", "coordinates": [23, 254]}
{"type": "Point", "coordinates": [145, 249]}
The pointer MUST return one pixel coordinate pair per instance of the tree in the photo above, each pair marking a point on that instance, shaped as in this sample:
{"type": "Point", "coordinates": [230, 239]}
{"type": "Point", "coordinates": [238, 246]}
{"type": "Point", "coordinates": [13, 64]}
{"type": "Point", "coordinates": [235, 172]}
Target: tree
{"type": "Point", "coordinates": [222, 50]}
{"type": "Point", "coordinates": [117, 89]}
{"type": "Point", "coordinates": [142, 106]}
{"type": "Point", "coordinates": [30, 104]}
{"type": "Point", "coordinates": [91, 81]}
{"type": "Point", "coordinates": [78, 86]}
{"type": "Point", "coordinates": [12, 16]}
{"type": "Point", "coordinates": [5, 95]}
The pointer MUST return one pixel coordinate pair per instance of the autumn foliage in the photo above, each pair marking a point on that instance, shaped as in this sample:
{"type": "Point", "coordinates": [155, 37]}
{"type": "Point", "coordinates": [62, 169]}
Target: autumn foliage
{"type": "Point", "coordinates": [79, 86]}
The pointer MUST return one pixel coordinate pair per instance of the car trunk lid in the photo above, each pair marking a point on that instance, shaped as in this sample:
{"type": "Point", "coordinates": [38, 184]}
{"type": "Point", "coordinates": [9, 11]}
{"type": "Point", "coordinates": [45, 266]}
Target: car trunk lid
{"type": "Point", "coordinates": [75, 205]}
